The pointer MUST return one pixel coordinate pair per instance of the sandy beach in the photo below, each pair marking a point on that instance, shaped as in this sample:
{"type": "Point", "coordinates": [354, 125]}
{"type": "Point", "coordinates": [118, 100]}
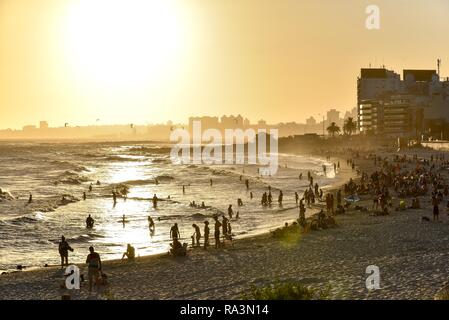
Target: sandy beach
{"type": "Point", "coordinates": [410, 253]}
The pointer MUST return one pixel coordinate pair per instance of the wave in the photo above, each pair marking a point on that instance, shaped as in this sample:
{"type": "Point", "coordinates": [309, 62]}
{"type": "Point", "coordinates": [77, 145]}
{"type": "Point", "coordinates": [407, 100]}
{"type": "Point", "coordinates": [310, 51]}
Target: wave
{"type": "Point", "coordinates": [165, 177]}
{"type": "Point", "coordinates": [121, 158]}
{"type": "Point", "coordinates": [69, 165]}
{"type": "Point", "coordinates": [23, 220]}
{"type": "Point", "coordinates": [161, 160]}
{"type": "Point", "coordinates": [198, 216]}
{"type": "Point", "coordinates": [69, 177]}
{"type": "Point", "coordinates": [151, 150]}
{"type": "Point", "coordinates": [138, 182]}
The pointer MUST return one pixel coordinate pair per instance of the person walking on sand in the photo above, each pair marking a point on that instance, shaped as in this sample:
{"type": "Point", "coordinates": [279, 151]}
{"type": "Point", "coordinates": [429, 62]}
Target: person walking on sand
{"type": "Point", "coordinates": [436, 209]}
{"type": "Point", "coordinates": [206, 234]}
{"type": "Point", "coordinates": [93, 262]}
{"type": "Point", "coordinates": [217, 232]}
{"type": "Point", "coordinates": [64, 249]}
{"type": "Point", "coordinates": [174, 232]}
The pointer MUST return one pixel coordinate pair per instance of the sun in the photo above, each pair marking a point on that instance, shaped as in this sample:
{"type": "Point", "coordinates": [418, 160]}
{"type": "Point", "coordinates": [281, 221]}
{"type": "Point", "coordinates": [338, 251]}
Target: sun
{"type": "Point", "coordinates": [124, 43]}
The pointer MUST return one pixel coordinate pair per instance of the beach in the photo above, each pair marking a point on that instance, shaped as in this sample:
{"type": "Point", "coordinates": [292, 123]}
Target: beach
{"type": "Point", "coordinates": [411, 255]}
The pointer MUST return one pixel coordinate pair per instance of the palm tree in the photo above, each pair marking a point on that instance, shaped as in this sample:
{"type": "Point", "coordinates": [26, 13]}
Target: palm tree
{"type": "Point", "coordinates": [333, 129]}
{"type": "Point", "coordinates": [350, 126]}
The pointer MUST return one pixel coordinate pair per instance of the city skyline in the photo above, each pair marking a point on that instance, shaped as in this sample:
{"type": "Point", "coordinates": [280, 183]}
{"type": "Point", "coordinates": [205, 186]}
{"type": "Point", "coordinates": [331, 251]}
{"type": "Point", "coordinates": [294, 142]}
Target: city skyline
{"type": "Point", "coordinates": [168, 60]}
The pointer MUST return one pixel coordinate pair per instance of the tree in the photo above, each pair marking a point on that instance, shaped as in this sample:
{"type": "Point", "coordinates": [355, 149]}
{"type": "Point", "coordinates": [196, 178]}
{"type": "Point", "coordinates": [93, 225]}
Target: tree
{"type": "Point", "coordinates": [350, 126]}
{"type": "Point", "coordinates": [333, 129]}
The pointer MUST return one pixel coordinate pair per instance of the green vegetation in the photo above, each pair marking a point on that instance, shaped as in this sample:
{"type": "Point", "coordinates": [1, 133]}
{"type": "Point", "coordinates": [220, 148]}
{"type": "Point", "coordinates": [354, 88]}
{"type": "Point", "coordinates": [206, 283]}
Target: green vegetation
{"type": "Point", "coordinates": [286, 291]}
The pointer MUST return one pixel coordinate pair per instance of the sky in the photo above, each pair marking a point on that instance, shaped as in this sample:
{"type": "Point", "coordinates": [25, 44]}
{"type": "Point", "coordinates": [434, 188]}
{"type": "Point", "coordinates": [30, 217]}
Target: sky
{"type": "Point", "coordinates": [149, 61]}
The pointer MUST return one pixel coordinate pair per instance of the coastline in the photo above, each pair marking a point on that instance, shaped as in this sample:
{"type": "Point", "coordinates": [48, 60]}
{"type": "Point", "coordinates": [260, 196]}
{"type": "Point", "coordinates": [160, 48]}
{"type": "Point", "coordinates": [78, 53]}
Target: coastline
{"type": "Point", "coordinates": [410, 254]}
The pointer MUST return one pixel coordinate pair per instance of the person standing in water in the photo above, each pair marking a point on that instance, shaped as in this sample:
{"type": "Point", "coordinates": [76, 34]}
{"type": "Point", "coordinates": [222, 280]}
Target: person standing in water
{"type": "Point", "coordinates": [64, 249]}
{"type": "Point", "coordinates": [90, 222]}
{"type": "Point", "coordinates": [30, 199]}
{"type": "Point", "coordinates": [251, 195]}
{"type": "Point", "coordinates": [296, 197]}
{"type": "Point", "coordinates": [90, 187]}
{"type": "Point", "coordinates": [93, 266]}
{"type": "Point", "coordinates": [183, 189]}
{"type": "Point", "coordinates": [174, 232]}
{"type": "Point", "coordinates": [247, 184]}
{"type": "Point", "coordinates": [155, 199]}
{"type": "Point", "coordinates": [114, 197]}
{"type": "Point", "coordinates": [280, 198]}
{"type": "Point", "coordinates": [211, 182]}
{"type": "Point", "coordinates": [206, 234]}
{"type": "Point", "coordinates": [84, 196]}
{"type": "Point", "coordinates": [230, 211]}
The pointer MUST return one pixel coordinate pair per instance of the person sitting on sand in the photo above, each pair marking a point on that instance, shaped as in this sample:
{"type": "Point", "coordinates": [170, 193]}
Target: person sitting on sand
{"type": "Point", "coordinates": [90, 222]}
{"type": "Point", "coordinates": [64, 249]}
{"type": "Point", "coordinates": [130, 253]}
{"type": "Point", "coordinates": [94, 266]}
{"type": "Point", "coordinates": [178, 249]}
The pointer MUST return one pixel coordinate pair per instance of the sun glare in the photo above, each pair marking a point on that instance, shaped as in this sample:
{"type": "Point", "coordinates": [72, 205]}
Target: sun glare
{"type": "Point", "coordinates": [119, 43]}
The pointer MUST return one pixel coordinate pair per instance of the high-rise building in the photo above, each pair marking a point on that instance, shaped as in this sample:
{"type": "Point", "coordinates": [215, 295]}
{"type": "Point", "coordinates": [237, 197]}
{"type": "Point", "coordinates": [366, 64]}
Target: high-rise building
{"type": "Point", "coordinates": [391, 106]}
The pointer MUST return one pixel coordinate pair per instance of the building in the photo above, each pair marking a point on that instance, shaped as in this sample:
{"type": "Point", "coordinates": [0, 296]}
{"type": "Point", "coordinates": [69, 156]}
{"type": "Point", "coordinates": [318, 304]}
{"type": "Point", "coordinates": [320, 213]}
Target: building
{"type": "Point", "coordinates": [409, 107]}
{"type": "Point", "coordinates": [333, 116]}
{"type": "Point", "coordinates": [311, 121]}
{"type": "Point", "coordinates": [43, 125]}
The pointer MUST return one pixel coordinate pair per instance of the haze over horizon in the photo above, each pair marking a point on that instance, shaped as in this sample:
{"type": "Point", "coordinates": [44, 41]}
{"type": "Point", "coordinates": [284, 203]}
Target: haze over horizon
{"type": "Point", "coordinates": [140, 61]}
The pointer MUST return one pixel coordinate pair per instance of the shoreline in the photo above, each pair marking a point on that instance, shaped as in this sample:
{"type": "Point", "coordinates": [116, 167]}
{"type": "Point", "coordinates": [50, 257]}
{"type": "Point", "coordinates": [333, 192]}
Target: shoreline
{"type": "Point", "coordinates": [411, 255]}
{"type": "Point", "coordinates": [342, 177]}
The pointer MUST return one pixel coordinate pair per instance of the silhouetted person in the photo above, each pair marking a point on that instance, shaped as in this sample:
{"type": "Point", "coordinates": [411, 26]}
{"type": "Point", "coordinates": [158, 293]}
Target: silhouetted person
{"type": "Point", "coordinates": [64, 249]}
{"type": "Point", "coordinates": [196, 235]}
{"type": "Point", "coordinates": [174, 232]}
{"type": "Point", "coordinates": [130, 252]}
{"type": "Point", "coordinates": [93, 266]}
{"type": "Point", "coordinates": [217, 232]}
{"type": "Point", "coordinates": [206, 234]}
{"type": "Point", "coordinates": [90, 222]}
{"type": "Point", "coordinates": [155, 199]}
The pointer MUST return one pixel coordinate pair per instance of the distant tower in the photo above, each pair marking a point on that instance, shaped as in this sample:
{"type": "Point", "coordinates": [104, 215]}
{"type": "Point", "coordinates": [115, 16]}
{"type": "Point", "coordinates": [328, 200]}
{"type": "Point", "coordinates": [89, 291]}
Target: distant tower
{"type": "Point", "coordinates": [438, 65]}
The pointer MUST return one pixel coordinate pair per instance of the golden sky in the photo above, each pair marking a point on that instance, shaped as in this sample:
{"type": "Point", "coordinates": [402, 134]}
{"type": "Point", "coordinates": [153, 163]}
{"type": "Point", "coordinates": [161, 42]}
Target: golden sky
{"type": "Point", "coordinates": [148, 61]}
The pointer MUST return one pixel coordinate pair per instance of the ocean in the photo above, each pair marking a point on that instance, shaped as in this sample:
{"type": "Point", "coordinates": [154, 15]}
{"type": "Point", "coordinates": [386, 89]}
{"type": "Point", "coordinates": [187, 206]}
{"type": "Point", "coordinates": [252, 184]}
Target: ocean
{"type": "Point", "coordinates": [29, 233]}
